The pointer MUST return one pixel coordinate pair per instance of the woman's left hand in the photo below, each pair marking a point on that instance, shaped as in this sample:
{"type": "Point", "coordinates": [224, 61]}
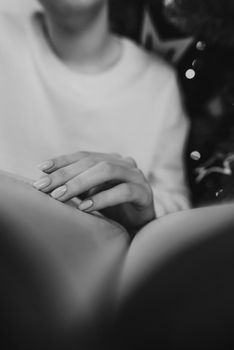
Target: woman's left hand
{"type": "Point", "coordinates": [105, 182]}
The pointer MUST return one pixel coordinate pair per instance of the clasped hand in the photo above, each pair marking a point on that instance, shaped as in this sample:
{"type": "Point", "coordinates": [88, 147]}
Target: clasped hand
{"type": "Point", "coordinates": [107, 183]}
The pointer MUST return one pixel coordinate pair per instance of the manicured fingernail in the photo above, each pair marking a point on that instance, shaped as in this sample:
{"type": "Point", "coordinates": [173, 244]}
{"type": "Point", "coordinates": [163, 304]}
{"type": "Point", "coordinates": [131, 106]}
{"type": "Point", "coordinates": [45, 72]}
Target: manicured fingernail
{"type": "Point", "coordinates": [42, 183]}
{"type": "Point", "coordinates": [86, 205]}
{"type": "Point", "coordinates": [46, 165]}
{"type": "Point", "coordinates": [59, 192]}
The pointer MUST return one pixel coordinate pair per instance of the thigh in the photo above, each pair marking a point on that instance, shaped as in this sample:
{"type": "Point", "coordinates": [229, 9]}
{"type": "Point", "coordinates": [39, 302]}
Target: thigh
{"type": "Point", "coordinates": [160, 240]}
{"type": "Point", "coordinates": [77, 256]}
{"type": "Point", "coordinates": [186, 301]}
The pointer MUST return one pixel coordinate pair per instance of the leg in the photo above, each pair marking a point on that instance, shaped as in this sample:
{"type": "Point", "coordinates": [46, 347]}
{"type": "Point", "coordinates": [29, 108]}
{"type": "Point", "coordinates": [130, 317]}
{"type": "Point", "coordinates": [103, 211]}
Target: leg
{"type": "Point", "coordinates": [163, 238]}
{"type": "Point", "coordinates": [182, 295]}
{"type": "Point", "coordinates": [74, 258]}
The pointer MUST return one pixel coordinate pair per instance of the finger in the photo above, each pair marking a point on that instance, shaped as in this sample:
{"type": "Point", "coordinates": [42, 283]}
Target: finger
{"type": "Point", "coordinates": [61, 161]}
{"type": "Point", "coordinates": [54, 164]}
{"type": "Point", "coordinates": [95, 190]}
{"type": "Point", "coordinates": [61, 176]}
{"type": "Point", "coordinates": [95, 176]}
{"type": "Point", "coordinates": [120, 194]}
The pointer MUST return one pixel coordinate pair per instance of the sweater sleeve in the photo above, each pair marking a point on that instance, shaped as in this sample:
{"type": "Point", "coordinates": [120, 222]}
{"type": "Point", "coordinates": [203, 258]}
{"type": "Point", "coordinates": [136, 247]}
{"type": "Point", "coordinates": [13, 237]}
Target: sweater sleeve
{"type": "Point", "coordinates": [167, 177]}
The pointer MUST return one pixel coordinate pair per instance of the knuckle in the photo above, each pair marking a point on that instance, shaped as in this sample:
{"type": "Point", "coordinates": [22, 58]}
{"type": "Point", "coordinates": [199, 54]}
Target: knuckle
{"type": "Point", "coordinates": [106, 167]}
{"type": "Point", "coordinates": [131, 161]}
{"type": "Point", "coordinates": [87, 162]}
{"type": "Point", "coordinates": [82, 154]}
{"type": "Point", "coordinates": [61, 173]}
{"type": "Point", "coordinates": [140, 174]}
{"type": "Point", "coordinates": [117, 155]}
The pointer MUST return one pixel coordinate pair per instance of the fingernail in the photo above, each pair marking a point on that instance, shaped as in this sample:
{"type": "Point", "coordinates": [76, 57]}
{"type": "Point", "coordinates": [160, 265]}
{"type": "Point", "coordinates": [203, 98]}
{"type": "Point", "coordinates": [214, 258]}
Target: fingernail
{"type": "Point", "coordinates": [59, 192]}
{"type": "Point", "coordinates": [46, 165]}
{"type": "Point", "coordinates": [86, 205]}
{"type": "Point", "coordinates": [40, 184]}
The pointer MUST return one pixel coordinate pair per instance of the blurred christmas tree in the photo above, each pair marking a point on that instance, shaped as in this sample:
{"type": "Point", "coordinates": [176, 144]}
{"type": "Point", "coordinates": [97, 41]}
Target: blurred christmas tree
{"type": "Point", "coordinates": [207, 77]}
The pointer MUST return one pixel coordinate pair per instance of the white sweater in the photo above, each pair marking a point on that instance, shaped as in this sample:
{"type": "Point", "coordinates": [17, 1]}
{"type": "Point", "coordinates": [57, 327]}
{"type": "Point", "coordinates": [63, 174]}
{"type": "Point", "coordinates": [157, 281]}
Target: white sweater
{"type": "Point", "coordinates": [46, 110]}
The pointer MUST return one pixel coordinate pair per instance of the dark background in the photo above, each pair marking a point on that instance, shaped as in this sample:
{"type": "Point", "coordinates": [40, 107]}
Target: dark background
{"type": "Point", "coordinates": [197, 37]}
